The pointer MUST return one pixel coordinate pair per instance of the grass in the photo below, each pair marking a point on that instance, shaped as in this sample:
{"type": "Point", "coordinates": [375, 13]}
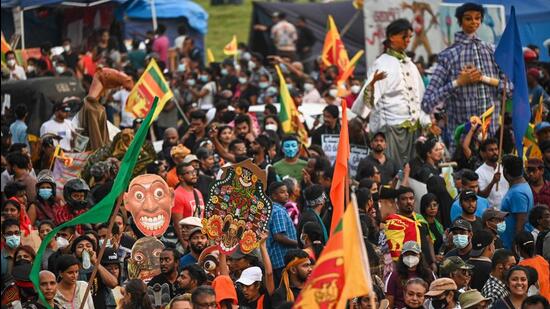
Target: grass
{"type": "Point", "coordinates": [224, 21]}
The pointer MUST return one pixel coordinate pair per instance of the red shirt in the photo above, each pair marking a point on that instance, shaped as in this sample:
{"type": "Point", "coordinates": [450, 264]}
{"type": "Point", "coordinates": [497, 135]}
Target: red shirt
{"type": "Point", "coordinates": [543, 197]}
{"type": "Point", "coordinates": [185, 202]}
{"type": "Point", "coordinates": [62, 214]}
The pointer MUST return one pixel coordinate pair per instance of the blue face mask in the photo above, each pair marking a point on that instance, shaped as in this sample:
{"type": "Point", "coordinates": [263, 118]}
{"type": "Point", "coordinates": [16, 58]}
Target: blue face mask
{"type": "Point", "coordinates": [45, 193]}
{"type": "Point", "coordinates": [501, 227]}
{"type": "Point", "coordinates": [181, 67]}
{"type": "Point", "coordinates": [460, 241]}
{"type": "Point", "coordinates": [263, 85]}
{"type": "Point", "coordinates": [224, 72]}
{"type": "Point", "coordinates": [203, 78]}
{"type": "Point", "coordinates": [13, 241]}
{"type": "Point", "coordinates": [191, 82]}
{"type": "Point", "coordinates": [290, 149]}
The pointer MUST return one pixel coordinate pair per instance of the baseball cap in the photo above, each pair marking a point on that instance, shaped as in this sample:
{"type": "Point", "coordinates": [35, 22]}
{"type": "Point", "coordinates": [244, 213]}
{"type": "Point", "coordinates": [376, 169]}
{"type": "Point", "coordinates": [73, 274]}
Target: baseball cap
{"type": "Point", "coordinates": [239, 254]}
{"type": "Point", "coordinates": [190, 158]}
{"type": "Point", "coordinates": [453, 263]}
{"type": "Point", "coordinates": [541, 126]}
{"type": "Point", "coordinates": [440, 286]}
{"type": "Point", "coordinates": [411, 246]}
{"type": "Point", "coordinates": [192, 221]}
{"type": "Point", "coordinates": [491, 213]}
{"type": "Point", "coordinates": [379, 133]}
{"type": "Point", "coordinates": [470, 298]}
{"type": "Point", "coordinates": [480, 240]}
{"type": "Point", "coordinates": [461, 224]}
{"type": "Point", "coordinates": [250, 275]}
{"type": "Point", "coordinates": [468, 194]}
{"type": "Point", "coordinates": [110, 256]}
{"type": "Point", "coordinates": [62, 106]}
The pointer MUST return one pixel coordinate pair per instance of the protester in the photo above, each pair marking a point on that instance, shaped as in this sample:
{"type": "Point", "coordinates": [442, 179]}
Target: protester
{"type": "Point", "coordinates": [222, 237]}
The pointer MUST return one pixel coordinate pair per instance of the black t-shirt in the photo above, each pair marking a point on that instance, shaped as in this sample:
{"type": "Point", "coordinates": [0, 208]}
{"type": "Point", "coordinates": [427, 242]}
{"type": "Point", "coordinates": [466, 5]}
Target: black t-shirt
{"type": "Point", "coordinates": [70, 59]}
{"type": "Point", "coordinates": [476, 224]}
{"type": "Point", "coordinates": [161, 286]}
{"type": "Point", "coordinates": [245, 304]}
{"type": "Point", "coordinates": [480, 274]}
{"type": "Point", "coordinates": [454, 252]}
{"type": "Point", "coordinates": [279, 295]}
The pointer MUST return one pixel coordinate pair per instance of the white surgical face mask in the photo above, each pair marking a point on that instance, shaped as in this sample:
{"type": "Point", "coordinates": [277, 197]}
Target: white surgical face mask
{"type": "Point", "coordinates": [30, 68]}
{"type": "Point", "coordinates": [411, 260]}
{"type": "Point", "coordinates": [333, 93]}
{"type": "Point", "coordinates": [355, 89]}
{"type": "Point", "coordinates": [308, 87]}
{"type": "Point", "coordinates": [67, 48]}
{"type": "Point", "coordinates": [271, 126]}
{"type": "Point", "coordinates": [59, 69]}
{"type": "Point", "coordinates": [251, 65]}
{"type": "Point", "coordinates": [62, 242]}
{"type": "Point", "coordinates": [11, 62]}
{"type": "Point", "coordinates": [243, 80]}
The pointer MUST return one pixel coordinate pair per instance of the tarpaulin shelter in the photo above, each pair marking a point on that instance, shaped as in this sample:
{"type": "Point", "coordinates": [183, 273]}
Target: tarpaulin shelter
{"type": "Point", "coordinates": [39, 95]}
{"type": "Point", "coordinates": [316, 15]}
{"type": "Point", "coordinates": [138, 15]}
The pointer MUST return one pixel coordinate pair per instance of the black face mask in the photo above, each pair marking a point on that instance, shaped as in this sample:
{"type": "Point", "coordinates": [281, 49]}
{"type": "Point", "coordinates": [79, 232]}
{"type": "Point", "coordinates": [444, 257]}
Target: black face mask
{"type": "Point", "coordinates": [375, 197]}
{"type": "Point", "coordinates": [439, 303]}
{"type": "Point", "coordinates": [77, 205]}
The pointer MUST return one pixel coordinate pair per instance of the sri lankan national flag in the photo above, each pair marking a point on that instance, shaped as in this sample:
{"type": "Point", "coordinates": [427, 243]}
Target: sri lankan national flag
{"type": "Point", "coordinates": [342, 271]}
{"type": "Point", "coordinates": [151, 84]}
{"type": "Point", "coordinates": [288, 114]}
{"type": "Point", "coordinates": [334, 52]}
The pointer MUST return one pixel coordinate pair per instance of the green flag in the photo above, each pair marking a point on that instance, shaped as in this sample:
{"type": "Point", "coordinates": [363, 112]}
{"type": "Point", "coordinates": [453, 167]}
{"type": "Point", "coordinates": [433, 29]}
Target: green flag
{"type": "Point", "coordinates": [102, 210]}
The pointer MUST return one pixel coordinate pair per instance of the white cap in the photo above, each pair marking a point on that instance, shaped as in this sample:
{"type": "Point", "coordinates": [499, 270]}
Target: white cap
{"type": "Point", "coordinates": [250, 275]}
{"type": "Point", "coordinates": [192, 221]}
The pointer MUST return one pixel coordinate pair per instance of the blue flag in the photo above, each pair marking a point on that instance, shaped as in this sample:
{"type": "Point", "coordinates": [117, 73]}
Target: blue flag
{"type": "Point", "coordinates": [509, 57]}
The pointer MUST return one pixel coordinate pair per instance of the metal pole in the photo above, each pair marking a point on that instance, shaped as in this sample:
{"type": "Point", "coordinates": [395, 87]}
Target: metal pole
{"type": "Point", "coordinates": [22, 24]}
{"type": "Point", "coordinates": [501, 139]}
{"type": "Point", "coordinates": [154, 14]}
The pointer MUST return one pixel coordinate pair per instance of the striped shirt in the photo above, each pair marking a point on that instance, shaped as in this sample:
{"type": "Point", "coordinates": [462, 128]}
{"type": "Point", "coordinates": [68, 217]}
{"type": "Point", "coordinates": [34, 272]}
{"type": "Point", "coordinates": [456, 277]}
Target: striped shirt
{"type": "Point", "coordinates": [463, 102]}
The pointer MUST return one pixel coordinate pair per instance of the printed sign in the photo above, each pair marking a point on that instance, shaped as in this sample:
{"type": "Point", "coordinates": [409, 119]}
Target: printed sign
{"type": "Point", "coordinates": [357, 153]}
{"type": "Point", "coordinates": [329, 143]}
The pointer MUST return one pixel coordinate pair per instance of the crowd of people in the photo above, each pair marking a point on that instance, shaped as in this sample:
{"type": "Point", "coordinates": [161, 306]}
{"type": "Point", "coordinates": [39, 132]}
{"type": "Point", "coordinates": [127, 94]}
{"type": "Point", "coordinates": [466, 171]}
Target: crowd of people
{"type": "Point", "coordinates": [485, 246]}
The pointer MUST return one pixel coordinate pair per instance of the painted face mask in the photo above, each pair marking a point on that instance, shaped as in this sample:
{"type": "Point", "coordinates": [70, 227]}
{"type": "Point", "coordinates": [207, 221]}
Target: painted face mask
{"type": "Point", "coordinates": [144, 262]}
{"type": "Point", "coordinates": [290, 148]}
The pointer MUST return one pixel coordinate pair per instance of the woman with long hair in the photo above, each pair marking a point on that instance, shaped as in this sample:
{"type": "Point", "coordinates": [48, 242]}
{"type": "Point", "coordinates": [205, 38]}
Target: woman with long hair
{"type": "Point", "coordinates": [135, 295]}
{"type": "Point", "coordinates": [70, 291]}
{"type": "Point", "coordinates": [516, 280]}
{"type": "Point", "coordinates": [411, 264]}
{"type": "Point", "coordinates": [429, 209]}
{"type": "Point", "coordinates": [312, 240]}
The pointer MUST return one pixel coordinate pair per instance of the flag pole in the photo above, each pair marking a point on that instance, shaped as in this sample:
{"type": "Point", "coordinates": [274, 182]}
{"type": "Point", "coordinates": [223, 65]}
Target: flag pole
{"type": "Point", "coordinates": [500, 142]}
{"type": "Point", "coordinates": [102, 250]}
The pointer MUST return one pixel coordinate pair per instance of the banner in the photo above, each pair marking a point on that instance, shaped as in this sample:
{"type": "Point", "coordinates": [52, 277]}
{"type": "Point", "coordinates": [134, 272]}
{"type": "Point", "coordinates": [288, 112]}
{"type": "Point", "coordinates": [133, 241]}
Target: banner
{"type": "Point", "coordinates": [356, 154]}
{"type": "Point", "coordinates": [64, 171]}
{"type": "Point", "coordinates": [329, 143]}
{"type": "Point", "coordinates": [434, 25]}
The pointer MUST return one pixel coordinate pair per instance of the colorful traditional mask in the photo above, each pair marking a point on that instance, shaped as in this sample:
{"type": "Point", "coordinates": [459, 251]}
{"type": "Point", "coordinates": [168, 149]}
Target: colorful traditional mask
{"type": "Point", "coordinates": [144, 263]}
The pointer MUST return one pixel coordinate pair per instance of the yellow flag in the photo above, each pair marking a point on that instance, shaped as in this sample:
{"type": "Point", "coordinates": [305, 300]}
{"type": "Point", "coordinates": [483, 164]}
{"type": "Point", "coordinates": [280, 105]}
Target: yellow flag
{"type": "Point", "coordinates": [231, 48]}
{"type": "Point", "coordinates": [210, 56]}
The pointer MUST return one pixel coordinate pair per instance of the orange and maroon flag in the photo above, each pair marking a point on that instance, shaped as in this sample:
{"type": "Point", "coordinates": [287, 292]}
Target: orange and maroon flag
{"type": "Point", "coordinates": [339, 178]}
{"type": "Point", "coordinates": [342, 271]}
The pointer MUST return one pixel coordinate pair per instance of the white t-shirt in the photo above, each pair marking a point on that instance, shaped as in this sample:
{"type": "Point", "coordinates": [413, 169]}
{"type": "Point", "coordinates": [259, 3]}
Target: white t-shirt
{"type": "Point", "coordinates": [18, 73]}
{"type": "Point", "coordinates": [207, 102]}
{"type": "Point", "coordinates": [65, 130]}
{"type": "Point", "coordinates": [486, 174]}
{"type": "Point", "coordinates": [126, 118]}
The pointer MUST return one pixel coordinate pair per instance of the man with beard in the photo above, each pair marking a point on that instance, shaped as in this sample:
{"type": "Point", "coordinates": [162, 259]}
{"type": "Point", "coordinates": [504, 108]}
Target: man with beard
{"type": "Point", "coordinates": [188, 200]}
{"type": "Point", "coordinates": [169, 259]}
{"type": "Point", "coordinates": [196, 130]}
{"type": "Point", "coordinates": [197, 243]}
{"type": "Point", "coordinates": [489, 176]}
{"type": "Point", "coordinates": [387, 167]}
{"type": "Point", "coordinates": [540, 188]}
{"type": "Point", "coordinates": [243, 128]}
{"type": "Point", "coordinates": [171, 138]}
{"type": "Point", "coordinates": [295, 274]}
{"type": "Point", "coordinates": [405, 226]}
{"type": "Point", "coordinates": [191, 277]}
{"type": "Point", "coordinates": [331, 125]}
{"type": "Point", "coordinates": [468, 203]}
